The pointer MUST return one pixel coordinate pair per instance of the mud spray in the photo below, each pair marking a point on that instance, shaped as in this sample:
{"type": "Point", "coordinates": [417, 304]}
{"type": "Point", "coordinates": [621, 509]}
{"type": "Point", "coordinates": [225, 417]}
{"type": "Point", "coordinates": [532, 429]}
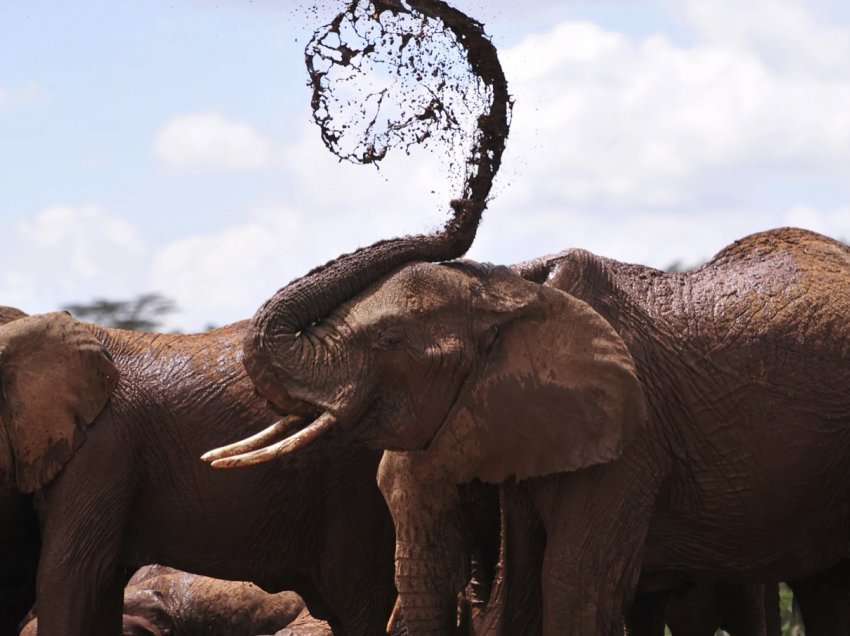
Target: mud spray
{"type": "Point", "coordinates": [394, 74]}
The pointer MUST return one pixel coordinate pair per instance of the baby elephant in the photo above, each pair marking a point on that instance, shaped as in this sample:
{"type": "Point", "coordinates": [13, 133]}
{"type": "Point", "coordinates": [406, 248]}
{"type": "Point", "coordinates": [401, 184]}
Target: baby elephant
{"type": "Point", "coordinates": [159, 601]}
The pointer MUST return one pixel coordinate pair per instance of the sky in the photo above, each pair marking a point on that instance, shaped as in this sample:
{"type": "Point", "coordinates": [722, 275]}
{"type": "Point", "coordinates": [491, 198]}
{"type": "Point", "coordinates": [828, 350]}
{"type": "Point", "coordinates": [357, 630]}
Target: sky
{"type": "Point", "coordinates": [169, 147]}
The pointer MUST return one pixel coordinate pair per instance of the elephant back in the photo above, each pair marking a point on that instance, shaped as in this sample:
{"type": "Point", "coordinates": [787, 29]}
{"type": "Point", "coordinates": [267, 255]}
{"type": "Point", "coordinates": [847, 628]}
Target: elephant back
{"type": "Point", "coordinates": [788, 288]}
{"type": "Point", "coordinates": [772, 310]}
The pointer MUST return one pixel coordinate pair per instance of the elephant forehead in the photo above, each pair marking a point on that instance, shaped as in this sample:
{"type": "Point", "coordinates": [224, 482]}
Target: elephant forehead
{"type": "Point", "coordinates": [417, 288]}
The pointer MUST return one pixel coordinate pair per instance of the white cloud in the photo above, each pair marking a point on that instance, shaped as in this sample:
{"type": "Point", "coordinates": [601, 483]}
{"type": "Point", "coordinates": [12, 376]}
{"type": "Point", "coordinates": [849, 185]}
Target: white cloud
{"type": "Point", "coordinates": [643, 121]}
{"type": "Point", "coordinates": [218, 277]}
{"type": "Point", "coordinates": [638, 148]}
{"type": "Point", "coordinates": [209, 141]}
{"type": "Point", "coordinates": [224, 276]}
{"type": "Point", "coordinates": [65, 254]}
{"type": "Point", "coordinates": [21, 96]}
{"type": "Point", "coordinates": [644, 148]}
{"type": "Point", "coordinates": [789, 33]}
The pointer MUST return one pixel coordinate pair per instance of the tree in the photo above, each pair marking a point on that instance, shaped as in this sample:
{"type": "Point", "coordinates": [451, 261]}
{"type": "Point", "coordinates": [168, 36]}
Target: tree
{"type": "Point", "coordinates": [142, 313]}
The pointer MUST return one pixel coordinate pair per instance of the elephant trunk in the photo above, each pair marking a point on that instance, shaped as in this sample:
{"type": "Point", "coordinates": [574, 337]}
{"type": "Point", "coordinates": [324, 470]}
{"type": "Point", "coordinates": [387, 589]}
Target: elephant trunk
{"type": "Point", "coordinates": [279, 347]}
{"type": "Point", "coordinates": [427, 604]}
{"type": "Point", "coordinates": [280, 350]}
{"type": "Point", "coordinates": [431, 567]}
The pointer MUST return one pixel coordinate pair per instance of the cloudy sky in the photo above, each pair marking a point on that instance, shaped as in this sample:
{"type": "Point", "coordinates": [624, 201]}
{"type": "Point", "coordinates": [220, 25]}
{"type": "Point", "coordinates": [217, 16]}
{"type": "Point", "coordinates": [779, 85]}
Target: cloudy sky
{"type": "Point", "coordinates": [168, 146]}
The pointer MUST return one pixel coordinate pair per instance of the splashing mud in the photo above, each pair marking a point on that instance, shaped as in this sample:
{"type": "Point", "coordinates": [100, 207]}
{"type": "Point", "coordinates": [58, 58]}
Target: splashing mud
{"type": "Point", "coordinates": [400, 73]}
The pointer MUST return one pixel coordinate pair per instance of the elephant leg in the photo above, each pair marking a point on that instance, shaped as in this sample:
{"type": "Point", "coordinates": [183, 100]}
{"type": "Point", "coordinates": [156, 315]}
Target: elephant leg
{"type": "Point", "coordinates": [524, 549]}
{"type": "Point", "coordinates": [347, 576]}
{"type": "Point", "coordinates": [646, 615]}
{"type": "Point", "coordinates": [695, 611]}
{"type": "Point", "coordinates": [772, 618]}
{"type": "Point", "coordinates": [596, 522]}
{"type": "Point", "coordinates": [745, 608]}
{"type": "Point", "coordinates": [515, 602]}
{"type": "Point", "coordinates": [80, 581]}
{"type": "Point", "coordinates": [824, 602]}
{"type": "Point", "coordinates": [430, 563]}
{"type": "Point", "coordinates": [76, 601]}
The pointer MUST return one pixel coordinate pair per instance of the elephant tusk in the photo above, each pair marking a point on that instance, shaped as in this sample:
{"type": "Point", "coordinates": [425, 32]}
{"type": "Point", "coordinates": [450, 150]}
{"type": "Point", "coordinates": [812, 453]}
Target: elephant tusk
{"type": "Point", "coordinates": [394, 616]}
{"type": "Point", "coordinates": [254, 442]}
{"type": "Point", "coordinates": [294, 443]}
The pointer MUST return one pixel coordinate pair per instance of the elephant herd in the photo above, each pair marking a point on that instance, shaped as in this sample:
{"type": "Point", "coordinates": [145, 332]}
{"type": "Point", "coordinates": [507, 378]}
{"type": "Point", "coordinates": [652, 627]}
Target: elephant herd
{"type": "Point", "coordinates": [405, 442]}
{"type": "Point", "coordinates": [571, 445]}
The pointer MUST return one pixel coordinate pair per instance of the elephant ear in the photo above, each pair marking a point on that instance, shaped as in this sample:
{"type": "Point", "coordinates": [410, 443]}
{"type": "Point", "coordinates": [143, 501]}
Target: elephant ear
{"type": "Point", "coordinates": [556, 392]}
{"type": "Point", "coordinates": [55, 379]}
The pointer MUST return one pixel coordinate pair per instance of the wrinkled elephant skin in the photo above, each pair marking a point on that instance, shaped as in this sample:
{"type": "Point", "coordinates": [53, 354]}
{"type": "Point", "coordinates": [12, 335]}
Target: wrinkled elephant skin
{"type": "Point", "coordinates": [660, 424]}
{"type": "Point", "coordinates": [165, 602]}
{"type": "Point", "coordinates": [105, 428]}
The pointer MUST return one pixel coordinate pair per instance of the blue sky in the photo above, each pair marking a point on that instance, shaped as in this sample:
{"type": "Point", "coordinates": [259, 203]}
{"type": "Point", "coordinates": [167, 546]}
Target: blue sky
{"type": "Point", "coordinates": [167, 146]}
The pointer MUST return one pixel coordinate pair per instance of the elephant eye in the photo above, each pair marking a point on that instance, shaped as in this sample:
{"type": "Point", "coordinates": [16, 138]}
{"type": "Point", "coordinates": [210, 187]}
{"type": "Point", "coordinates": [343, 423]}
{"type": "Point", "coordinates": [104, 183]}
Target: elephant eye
{"type": "Point", "coordinates": [389, 339]}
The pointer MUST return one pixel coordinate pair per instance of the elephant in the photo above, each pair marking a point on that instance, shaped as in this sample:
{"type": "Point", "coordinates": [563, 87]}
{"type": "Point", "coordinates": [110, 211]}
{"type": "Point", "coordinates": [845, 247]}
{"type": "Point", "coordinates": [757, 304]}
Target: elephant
{"type": "Point", "coordinates": [824, 600]}
{"type": "Point", "coordinates": [743, 609]}
{"type": "Point", "coordinates": [703, 609]}
{"type": "Point", "coordinates": [99, 472]}
{"type": "Point", "coordinates": [677, 427]}
{"type": "Point", "coordinates": [162, 601]}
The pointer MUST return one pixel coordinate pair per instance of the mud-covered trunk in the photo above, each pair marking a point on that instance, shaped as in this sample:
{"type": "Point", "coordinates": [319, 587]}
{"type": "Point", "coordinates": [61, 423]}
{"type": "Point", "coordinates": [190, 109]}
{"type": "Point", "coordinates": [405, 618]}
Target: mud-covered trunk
{"type": "Point", "coordinates": [280, 348]}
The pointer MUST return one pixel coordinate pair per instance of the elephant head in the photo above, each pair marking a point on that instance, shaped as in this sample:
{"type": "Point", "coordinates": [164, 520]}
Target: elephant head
{"type": "Point", "coordinates": [296, 351]}
{"type": "Point", "coordinates": [524, 379]}
{"type": "Point", "coordinates": [55, 378]}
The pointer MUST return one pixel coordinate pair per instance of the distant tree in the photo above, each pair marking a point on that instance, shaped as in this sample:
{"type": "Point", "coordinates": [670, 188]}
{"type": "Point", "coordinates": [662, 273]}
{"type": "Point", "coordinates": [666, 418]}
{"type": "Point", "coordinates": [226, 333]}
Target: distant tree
{"type": "Point", "coordinates": [676, 266]}
{"type": "Point", "coordinates": [142, 313]}
{"type": "Point", "coordinates": [681, 266]}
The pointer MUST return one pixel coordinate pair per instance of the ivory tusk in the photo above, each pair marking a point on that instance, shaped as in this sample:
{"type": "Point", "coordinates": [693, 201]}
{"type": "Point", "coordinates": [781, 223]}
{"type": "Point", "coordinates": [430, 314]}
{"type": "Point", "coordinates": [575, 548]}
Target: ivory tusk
{"type": "Point", "coordinates": [300, 440]}
{"type": "Point", "coordinates": [394, 616]}
{"type": "Point", "coordinates": [255, 441]}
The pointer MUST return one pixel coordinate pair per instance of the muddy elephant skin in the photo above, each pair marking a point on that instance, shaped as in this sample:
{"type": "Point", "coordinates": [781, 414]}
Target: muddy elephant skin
{"type": "Point", "coordinates": [660, 424]}
{"type": "Point", "coordinates": [116, 481]}
{"type": "Point", "coordinates": [162, 601]}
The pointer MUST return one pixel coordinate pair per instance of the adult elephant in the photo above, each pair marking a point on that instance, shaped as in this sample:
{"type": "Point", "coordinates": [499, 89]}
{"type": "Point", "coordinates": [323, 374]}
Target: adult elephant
{"type": "Point", "coordinates": [692, 425]}
{"type": "Point", "coordinates": [101, 432]}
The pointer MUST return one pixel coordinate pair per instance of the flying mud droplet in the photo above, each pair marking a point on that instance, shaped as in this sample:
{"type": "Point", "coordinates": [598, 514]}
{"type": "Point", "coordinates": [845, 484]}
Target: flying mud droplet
{"type": "Point", "coordinates": [389, 74]}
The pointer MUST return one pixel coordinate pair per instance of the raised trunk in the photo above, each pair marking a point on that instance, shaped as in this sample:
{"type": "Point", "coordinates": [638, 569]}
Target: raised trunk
{"type": "Point", "coordinates": [279, 343]}
{"type": "Point", "coordinates": [279, 350]}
